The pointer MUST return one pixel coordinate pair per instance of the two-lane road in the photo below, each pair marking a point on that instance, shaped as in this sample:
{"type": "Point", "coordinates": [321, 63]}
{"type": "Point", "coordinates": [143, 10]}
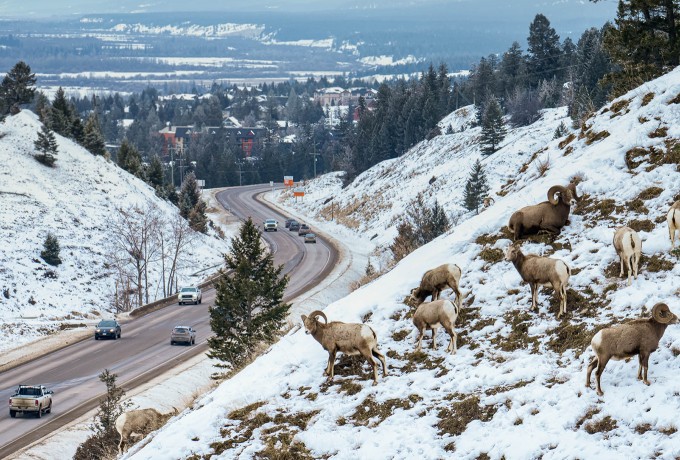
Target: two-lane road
{"type": "Point", "coordinates": [144, 351]}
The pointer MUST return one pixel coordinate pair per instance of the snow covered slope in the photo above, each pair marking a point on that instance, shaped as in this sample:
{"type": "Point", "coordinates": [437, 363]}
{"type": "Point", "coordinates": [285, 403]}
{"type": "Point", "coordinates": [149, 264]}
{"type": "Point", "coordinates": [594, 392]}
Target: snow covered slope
{"type": "Point", "coordinates": [76, 201]}
{"type": "Point", "coordinates": [515, 389]}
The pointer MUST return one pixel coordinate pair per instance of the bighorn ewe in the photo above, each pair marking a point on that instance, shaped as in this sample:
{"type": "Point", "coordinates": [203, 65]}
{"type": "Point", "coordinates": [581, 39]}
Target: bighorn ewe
{"type": "Point", "coordinates": [549, 215]}
{"type": "Point", "coordinates": [537, 270]}
{"type": "Point", "coordinates": [135, 424]}
{"type": "Point", "coordinates": [434, 281]}
{"type": "Point", "coordinates": [432, 315]}
{"type": "Point", "coordinates": [348, 338]}
{"type": "Point", "coordinates": [673, 219]}
{"type": "Point", "coordinates": [638, 337]}
{"type": "Point", "coordinates": [629, 247]}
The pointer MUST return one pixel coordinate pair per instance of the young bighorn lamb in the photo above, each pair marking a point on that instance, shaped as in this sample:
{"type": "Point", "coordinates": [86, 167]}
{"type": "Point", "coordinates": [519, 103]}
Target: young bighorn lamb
{"type": "Point", "coordinates": [537, 270]}
{"type": "Point", "coordinates": [434, 281]}
{"type": "Point", "coordinates": [432, 315]}
{"type": "Point", "coordinates": [673, 219]}
{"type": "Point", "coordinates": [348, 338]}
{"type": "Point", "coordinates": [638, 337]}
{"type": "Point", "coordinates": [629, 248]}
{"type": "Point", "coordinates": [135, 424]}
{"type": "Point", "coordinates": [549, 215]}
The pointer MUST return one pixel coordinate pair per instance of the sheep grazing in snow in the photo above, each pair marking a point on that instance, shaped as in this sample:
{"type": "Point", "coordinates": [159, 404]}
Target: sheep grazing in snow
{"type": "Point", "coordinates": [487, 201]}
{"type": "Point", "coordinates": [673, 219]}
{"type": "Point", "coordinates": [135, 424]}
{"type": "Point", "coordinates": [629, 248]}
{"type": "Point", "coordinates": [638, 337]}
{"type": "Point", "coordinates": [549, 215]}
{"type": "Point", "coordinates": [436, 280]}
{"type": "Point", "coordinates": [348, 338]}
{"type": "Point", "coordinates": [432, 315]}
{"type": "Point", "coordinates": [537, 270]}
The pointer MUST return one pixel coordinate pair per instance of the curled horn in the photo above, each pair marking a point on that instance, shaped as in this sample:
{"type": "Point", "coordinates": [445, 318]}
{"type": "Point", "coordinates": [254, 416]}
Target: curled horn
{"type": "Point", "coordinates": [572, 188]}
{"type": "Point", "coordinates": [556, 189]}
{"type": "Point", "coordinates": [488, 201]}
{"type": "Point", "coordinates": [661, 313]}
{"type": "Point", "coordinates": [316, 313]}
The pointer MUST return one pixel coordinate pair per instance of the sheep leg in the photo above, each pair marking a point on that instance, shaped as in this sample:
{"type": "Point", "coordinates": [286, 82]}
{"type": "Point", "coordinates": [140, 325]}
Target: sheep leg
{"type": "Point", "coordinates": [534, 296]}
{"type": "Point", "coordinates": [621, 263]}
{"type": "Point", "coordinates": [376, 353]}
{"type": "Point", "coordinates": [435, 294]}
{"type": "Point", "coordinates": [671, 232]}
{"type": "Point", "coordinates": [331, 364]}
{"type": "Point", "coordinates": [434, 338]}
{"type": "Point", "coordinates": [601, 363]}
{"type": "Point", "coordinates": [591, 366]}
{"type": "Point", "coordinates": [636, 263]}
{"type": "Point", "coordinates": [628, 267]}
{"type": "Point", "coordinates": [453, 345]}
{"type": "Point", "coordinates": [644, 365]}
{"type": "Point", "coordinates": [459, 297]}
{"type": "Point", "coordinates": [421, 333]}
{"type": "Point", "coordinates": [368, 354]}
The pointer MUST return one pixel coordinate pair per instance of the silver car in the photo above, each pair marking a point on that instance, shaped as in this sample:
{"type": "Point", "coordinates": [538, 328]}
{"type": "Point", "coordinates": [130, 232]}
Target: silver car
{"type": "Point", "coordinates": [183, 334]}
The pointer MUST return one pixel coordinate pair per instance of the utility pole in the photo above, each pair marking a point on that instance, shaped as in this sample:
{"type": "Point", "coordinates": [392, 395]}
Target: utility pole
{"type": "Point", "coordinates": [240, 173]}
{"type": "Point", "coordinates": [315, 155]}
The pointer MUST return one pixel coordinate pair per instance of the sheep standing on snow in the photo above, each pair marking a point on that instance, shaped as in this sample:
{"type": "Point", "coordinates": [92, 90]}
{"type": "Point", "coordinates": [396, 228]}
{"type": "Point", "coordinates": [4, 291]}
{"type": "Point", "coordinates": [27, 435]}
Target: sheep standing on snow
{"type": "Point", "coordinates": [673, 219]}
{"type": "Point", "coordinates": [432, 315]}
{"type": "Point", "coordinates": [348, 338]}
{"type": "Point", "coordinates": [629, 248]}
{"type": "Point", "coordinates": [541, 271]}
{"type": "Point", "coordinates": [638, 337]}
{"type": "Point", "coordinates": [434, 281]}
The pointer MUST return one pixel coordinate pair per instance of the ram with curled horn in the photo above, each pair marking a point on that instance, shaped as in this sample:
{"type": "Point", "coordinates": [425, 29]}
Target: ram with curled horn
{"type": "Point", "coordinates": [348, 338]}
{"type": "Point", "coordinates": [549, 215]}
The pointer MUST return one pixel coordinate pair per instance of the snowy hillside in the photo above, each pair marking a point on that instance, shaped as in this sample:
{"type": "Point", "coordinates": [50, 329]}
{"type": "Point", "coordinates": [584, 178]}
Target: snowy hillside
{"type": "Point", "coordinates": [76, 201]}
{"type": "Point", "coordinates": [515, 389]}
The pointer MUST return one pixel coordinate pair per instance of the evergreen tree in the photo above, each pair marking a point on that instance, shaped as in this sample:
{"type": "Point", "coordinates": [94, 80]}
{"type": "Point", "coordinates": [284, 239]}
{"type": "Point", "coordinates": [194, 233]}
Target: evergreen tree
{"type": "Point", "coordinates": [50, 252]}
{"type": "Point", "coordinates": [189, 195]}
{"type": "Point", "coordinates": [513, 70]}
{"type": "Point", "coordinates": [17, 86]}
{"type": "Point", "coordinates": [493, 127]}
{"type": "Point", "coordinates": [544, 50]}
{"type": "Point", "coordinates": [249, 306]}
{"type": "Point", "coordinates": [93, 140]}
{"type": "Point", "coordinates": [198, 221]}
{"type": "Point", "coordinates": [154, 175]}
{"type": "Point", "coordinates": [644, 43]}
{"type": "Point", "coordinates": [476, 188]}
{"type": "Point", "coordinates": [129, 159]}
{"type": "Point", "coordinates": [46, 145]}
{"type": "Point", "coordinates": [61, 115]}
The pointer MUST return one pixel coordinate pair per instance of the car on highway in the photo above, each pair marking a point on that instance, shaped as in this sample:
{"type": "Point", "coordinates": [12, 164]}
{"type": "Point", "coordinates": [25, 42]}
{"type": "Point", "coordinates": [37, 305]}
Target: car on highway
{"type": "Point", "coordinates": [304, 229]}
{"type": "Point", "coordinates": [183, 334]}
{"type": "Point", "coordinates": [107, 329]}
{"type": "Point", "coordinates": [190, 294]}
{"type": "Point", "coordinates": [310, 238]}
{"type": "Point", "coordinates": [294, 226]}
{"type": "Point", "coordinates": [288, 221]}
{"type": "Point", "coordinates": [35, 399]}
{"type": "Point", "coordinates": [271, 225]}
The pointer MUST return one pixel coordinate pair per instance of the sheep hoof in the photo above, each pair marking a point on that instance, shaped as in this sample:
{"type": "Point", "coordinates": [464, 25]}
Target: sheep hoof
{"type": "Point", "coordinates": [375, 382]}
{"type": "Point", "coordinates": [646, 382]}
{"type": "Point", "coordinates": [599, 393]}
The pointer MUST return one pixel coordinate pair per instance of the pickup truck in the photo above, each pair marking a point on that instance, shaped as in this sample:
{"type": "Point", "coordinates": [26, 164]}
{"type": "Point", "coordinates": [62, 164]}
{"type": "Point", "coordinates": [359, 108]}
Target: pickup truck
{"type": "Point", "coordinates": [31, 398]}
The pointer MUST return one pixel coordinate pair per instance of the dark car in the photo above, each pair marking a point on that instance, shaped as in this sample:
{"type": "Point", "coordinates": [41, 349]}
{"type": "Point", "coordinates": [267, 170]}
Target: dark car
{"type": "Point", "coordinates": [294, 226]}
{"type": "Point", "coordinates": [304, 229]}
{"type": "Point", "coordinates": [107, 328]}
{"type": "Point", "coordinates": [288, 221]}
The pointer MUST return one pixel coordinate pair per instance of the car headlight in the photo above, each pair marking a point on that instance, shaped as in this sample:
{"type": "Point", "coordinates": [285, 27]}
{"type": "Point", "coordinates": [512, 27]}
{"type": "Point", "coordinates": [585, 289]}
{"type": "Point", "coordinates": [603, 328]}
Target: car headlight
{"type": "Point", "coordinates": [110, 330]}
{"type": "Point", "coordinates": [98, 330]}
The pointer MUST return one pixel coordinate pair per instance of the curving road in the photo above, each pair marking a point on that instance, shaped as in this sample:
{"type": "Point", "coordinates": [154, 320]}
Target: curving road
{"type": "Point", "coordinates": [144, 351]}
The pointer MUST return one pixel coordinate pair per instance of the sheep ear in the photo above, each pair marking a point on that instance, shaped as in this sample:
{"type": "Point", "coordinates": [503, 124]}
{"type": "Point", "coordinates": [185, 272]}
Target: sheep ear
{"type": "Point", "coordinates": [304, 318]}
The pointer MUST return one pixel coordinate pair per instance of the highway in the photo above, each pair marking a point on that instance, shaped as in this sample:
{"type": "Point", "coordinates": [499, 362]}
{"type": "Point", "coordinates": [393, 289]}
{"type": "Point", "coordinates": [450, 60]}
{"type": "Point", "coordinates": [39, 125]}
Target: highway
{"type": "Point", "coordinates": [144, 351]}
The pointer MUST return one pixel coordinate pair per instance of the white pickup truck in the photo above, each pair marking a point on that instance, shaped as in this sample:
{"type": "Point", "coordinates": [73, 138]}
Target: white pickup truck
{"type": "Point", "coordinates": [31, 398]}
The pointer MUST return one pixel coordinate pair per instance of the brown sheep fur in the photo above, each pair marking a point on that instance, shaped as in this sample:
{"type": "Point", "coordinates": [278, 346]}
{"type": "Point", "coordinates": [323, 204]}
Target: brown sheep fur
{"type": "Point", "coordinates": [628, 246]}
{"type": "Point", "coordinates": [135, 424]}
{"type": "Point", "coordinates": [673, 219]}
{"type": "Point", "coordinates": [638, 337]}
{"type": "Point", "coordinates": [549, 215]}
{"type": "Point", "coordinates": [432, 315]}
{"type": "Point", "coordinates": [434, 281]}
{"type": "Point", "coordinates": [348, 338]}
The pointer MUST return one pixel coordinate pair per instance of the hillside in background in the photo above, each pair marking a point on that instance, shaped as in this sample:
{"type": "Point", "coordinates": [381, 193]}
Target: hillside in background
{"type": "Point", "coordinates": [76, 201]}
{"type": "Point", "coordinates": [515, 389]}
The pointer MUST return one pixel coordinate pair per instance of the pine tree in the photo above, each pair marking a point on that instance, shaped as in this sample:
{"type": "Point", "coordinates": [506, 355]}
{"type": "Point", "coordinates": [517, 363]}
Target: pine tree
{"type": "Point", "coordinates": [61, 115]}
{"type": "Point", "coordinates": [50, 252]}
{"type": "Point", "coordinates": [544, 50]}
{"type": "Point", "coordinates": [249, 307]}
{"type": "Point", "coordinates": [154, 175]}
{"type": "Point", "coordinates": [129, 159]}
{"type": "Point", "coordinates": [17, 86]}
{"type": "Point", "coordinates": [189, 195]}
{"type": "Point", "coordinates": [476, 188]}
{"type": "Point", "coordinates": [93, 140]}
{"type": "Point", "coordinates": [493, 127]}
{"type": "Point", "coordinates": [46, 145]}
{"type": "Point", "coordinates": [198, 221]}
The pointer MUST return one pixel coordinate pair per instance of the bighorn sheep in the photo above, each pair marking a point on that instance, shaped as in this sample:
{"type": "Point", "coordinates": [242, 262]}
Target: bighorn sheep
{"type": "Point", "coordinates": [629, 247]}
{"type": "Point", "coordinates": [549, 215]}
{"type": "Point", "coordinates": [436, 280]}
{"type": "Point", "coordinates": [537, 270]}
{"type": "Point", "coordinates": [487, 201]}
{"type": "Point", "coordinates": [637, 337]}
{"type": "Point", "coordinates": [432, 315]}
{"type": "Point", "coordinates": [348, 338]}
{"type": "Point", "coordinates": [673, 219]}
{"type": "Point", "coordinates": [135, 424]}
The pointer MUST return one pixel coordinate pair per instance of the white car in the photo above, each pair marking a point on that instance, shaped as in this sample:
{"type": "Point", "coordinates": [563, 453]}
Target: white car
{"type": "Point", "coordinates": [190, 295]}
{"type": "Point", "coordinates": [271, 224]}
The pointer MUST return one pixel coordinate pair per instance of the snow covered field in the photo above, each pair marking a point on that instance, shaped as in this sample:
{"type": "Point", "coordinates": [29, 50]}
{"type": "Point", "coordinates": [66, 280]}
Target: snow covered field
{"type": "Point", "coordinates": [515, 389]}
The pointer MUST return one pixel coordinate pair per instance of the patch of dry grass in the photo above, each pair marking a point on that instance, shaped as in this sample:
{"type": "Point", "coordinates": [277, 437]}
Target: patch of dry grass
{"type": "Point", "coordinates": [454, 418]}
